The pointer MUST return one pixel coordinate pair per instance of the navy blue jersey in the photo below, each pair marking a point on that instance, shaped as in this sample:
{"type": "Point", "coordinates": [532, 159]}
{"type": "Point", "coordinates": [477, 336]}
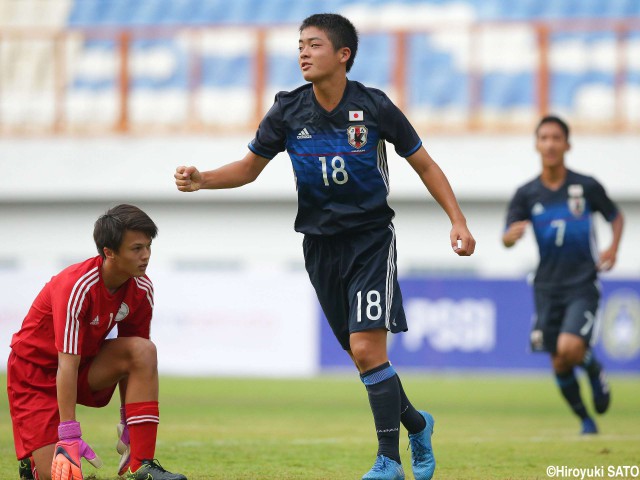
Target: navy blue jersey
{"type": "Point", "coordinates": [563, 224]}
{"type": "Point", "coordinates": [339, 157]}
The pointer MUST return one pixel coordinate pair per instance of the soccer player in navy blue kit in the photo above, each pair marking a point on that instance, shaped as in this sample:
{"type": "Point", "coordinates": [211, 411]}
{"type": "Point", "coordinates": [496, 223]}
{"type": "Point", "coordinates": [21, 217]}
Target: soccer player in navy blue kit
{"type": "Point", "coordinates": [560, 204]}
{"type": "Point", "coordinates": [334, 131]}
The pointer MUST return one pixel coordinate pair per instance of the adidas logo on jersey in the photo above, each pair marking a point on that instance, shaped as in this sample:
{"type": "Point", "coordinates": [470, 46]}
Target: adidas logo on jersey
{"type": "Point", "coordinates": [95, 321]}
{"type": "Point", "coordinates": [537, 209]}
{"type": "Point", "coordinates": [303, 134]}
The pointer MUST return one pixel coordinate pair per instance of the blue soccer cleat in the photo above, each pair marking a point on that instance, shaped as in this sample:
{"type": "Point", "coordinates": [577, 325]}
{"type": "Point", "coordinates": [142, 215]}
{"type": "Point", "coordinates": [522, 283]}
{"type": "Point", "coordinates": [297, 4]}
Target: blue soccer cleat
{"type": "Point", "coordinates": [601, 392]}
{"type": "Point", "coordinates": [423, 463]}
{"type": "Point", "coordinates": [589, 426]}
{"type": "Point", "coordinates": [385, 469]}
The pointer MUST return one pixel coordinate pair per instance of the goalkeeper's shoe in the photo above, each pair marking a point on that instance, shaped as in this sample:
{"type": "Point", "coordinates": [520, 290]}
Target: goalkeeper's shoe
{"type": "Point", "coordinates": [423, 463]}
{"type": "Point", "coordinates": [25, 470]}
{"type": "Point", "coordinates": [152, 470]}
{"type": "Point", "coordinates": [385, 469]}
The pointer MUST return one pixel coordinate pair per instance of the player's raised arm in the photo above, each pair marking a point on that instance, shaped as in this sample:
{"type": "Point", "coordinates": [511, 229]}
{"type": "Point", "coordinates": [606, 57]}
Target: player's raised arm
{"type": "Point", "coordinates": [231, 175]}
{"type": "Point", "coordinates": [439, 187]}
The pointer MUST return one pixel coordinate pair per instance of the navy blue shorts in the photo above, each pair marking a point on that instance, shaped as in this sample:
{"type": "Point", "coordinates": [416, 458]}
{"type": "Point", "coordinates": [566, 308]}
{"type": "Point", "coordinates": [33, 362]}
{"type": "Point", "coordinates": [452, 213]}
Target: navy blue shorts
{"type": "Point", "coordinates": [356, 281]}
{"type": "Point", "coordinates": [568, 310]}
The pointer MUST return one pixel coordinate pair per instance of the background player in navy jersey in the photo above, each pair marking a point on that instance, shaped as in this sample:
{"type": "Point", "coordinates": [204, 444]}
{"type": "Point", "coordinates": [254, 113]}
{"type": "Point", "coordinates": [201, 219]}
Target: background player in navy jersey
{"type": "Point", "coordinates": [334, 131]}
{"type": "Point", "coordinates": [560, 204]}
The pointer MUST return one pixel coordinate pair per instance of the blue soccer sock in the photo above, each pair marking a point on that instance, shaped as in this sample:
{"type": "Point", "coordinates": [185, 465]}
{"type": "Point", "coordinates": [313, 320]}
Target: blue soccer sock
{"type": "Point", "coordinates": [384, 399]}
{"type": "Point", "coordinates": [591, 365]}
{"type": "Point", "coordinates": [409, 416]}
{"type": "Point", "coordinates": [570, 389]}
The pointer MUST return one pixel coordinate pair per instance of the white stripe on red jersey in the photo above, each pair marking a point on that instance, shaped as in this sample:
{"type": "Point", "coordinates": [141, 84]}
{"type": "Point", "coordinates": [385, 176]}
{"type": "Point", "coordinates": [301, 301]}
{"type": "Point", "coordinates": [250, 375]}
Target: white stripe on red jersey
{"type": "Point", "coordinates": [146, 285]}
{"type": "Point", "coordinates": [78, 293]}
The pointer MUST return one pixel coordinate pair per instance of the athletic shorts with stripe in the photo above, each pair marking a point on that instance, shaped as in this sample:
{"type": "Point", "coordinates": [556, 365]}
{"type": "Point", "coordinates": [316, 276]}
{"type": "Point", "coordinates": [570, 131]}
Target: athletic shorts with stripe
{"type": "Point", "coordinates": [33, 402]}
{"type": "Point", "coordinates": [356, 281]}
{"type": "Point", "coordinates": [564, 310]}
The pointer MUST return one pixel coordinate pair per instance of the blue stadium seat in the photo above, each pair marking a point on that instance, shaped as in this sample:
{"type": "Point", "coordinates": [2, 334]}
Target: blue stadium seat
{"type": "Point", "coordinates": [633, 76]}
{"type": "Point", "coordinates": [182, 12]}
{"type": "Point", "coordinates": [506, 90]}
{"type": "Point", "coordinates": [195, 12]}
{"type": "Point", "coordinates": [432, 74]}
{"type": "Point", "coordinates": [283, 72]}
{"type": "Point", "coordinates": [433, 78]}
{"type": "Point", "coordinates": [563, 89]}
{"type": "Point", "coordinates": [176, 79]}
{"type": "Point", "coordinates": [373, 60]}
{"type": "Point", "coordinates": [227, 72]}
{"type": "Point", "coordinates": [204, 12]}
{"type": "Point", "coordinates": [92, 82]}
{"type": "Point", "coordinates": [82, 13]}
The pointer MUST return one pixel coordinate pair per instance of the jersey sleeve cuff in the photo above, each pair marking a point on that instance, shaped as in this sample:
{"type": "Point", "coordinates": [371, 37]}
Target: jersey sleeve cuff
{"type": "Point", "coordinates": [266, 155]}
{"type": "Point", "coordinates": [412, 151]}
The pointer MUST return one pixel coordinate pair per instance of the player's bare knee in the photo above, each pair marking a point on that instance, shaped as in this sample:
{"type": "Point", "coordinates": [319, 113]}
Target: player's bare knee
{"type": "Point", "coordinates": [365, 357]}
{"type": "Point", "coordinates": [143, 354]}
{"type": "Point", "coordinates": [567, 358]}
{"type": "Point", "coordinates": [358, 352]}
{"type": "Point", "coordinates": [575, 357]}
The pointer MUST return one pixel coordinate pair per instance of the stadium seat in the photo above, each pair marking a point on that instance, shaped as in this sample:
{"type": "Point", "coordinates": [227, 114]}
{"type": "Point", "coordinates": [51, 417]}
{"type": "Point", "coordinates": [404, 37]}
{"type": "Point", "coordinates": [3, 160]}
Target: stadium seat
{"type": "Point", "coordinates": [502, 90]}
{"type": "Point", "coordinates": [226, 72]}
{"type": "Point", "coordinates": [283, 72]}
{"type": "Point", "coordinates": [434, 76]}
{"type": "Point", "coordinates": [377, 50]}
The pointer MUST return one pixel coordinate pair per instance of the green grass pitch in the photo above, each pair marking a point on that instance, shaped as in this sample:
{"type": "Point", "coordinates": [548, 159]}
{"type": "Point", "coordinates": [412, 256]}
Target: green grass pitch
{"type": "Point", "coordinates": [487, 427]}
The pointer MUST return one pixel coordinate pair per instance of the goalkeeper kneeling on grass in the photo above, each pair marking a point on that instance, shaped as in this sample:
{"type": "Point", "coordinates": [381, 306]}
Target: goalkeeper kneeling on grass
{"type": "Point", "coordinates": [64, 355]}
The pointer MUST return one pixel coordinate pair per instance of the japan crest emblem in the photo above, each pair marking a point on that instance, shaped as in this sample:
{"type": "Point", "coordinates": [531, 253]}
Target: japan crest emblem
{"type": "Point", "coordinates": [357, 136]}
{"type": "Point", "coordinates": [576, 201]}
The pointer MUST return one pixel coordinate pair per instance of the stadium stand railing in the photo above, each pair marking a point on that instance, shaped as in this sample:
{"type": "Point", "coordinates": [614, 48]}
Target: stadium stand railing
{"type": "Point", "coordinates": [132, 67]}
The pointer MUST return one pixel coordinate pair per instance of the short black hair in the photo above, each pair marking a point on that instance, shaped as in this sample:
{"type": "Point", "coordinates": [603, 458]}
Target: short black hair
{"type": "Point", "coordinates": [339, 30]}
{"type": "Point", "coordinates": [110, 227]}
{"type": "Point", "coordinates": [554, 119]}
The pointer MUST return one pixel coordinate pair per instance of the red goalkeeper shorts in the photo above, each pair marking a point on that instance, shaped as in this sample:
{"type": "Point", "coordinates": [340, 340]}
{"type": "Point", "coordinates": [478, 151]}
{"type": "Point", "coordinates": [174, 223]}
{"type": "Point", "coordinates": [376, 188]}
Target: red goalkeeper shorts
{"type": "Point", "coordinates": [33, 402]}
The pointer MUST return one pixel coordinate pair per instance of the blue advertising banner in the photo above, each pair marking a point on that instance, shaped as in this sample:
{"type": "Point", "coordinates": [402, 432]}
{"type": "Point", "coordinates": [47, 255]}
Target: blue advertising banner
{"type": "Point", "coordinates": [485, 324]}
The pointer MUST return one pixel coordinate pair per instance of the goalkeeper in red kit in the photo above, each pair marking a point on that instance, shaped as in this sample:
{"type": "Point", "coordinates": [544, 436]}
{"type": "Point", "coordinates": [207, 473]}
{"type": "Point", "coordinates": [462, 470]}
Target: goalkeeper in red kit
{"type": "Point", "coordinates": [63, 355]}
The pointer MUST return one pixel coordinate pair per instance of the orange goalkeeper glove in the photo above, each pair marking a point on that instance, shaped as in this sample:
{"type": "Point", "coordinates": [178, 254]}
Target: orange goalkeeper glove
{"type": "Point", "coordinates": [67, 457]}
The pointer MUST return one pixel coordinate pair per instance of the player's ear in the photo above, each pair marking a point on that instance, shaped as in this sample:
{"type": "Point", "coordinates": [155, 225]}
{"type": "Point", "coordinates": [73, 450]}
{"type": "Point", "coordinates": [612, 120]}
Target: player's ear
{"type": "Point", "coordinates": [108, 253]}
{"type": "Point", "coordinates": [345, 54]}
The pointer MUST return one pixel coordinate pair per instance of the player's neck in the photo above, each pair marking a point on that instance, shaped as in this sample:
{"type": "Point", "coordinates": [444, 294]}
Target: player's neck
{"type": "Point", "coordinates": [329, 92]}
{"type": "Point", "coordinates": [112, 279]}
{"type": "Point", "coordinates": [554, 177]}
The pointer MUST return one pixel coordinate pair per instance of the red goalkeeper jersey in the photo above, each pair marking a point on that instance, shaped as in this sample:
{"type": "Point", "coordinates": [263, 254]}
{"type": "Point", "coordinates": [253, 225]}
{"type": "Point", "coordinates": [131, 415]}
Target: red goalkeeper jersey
{"type": "Point", "coordinates": [75, 312]}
